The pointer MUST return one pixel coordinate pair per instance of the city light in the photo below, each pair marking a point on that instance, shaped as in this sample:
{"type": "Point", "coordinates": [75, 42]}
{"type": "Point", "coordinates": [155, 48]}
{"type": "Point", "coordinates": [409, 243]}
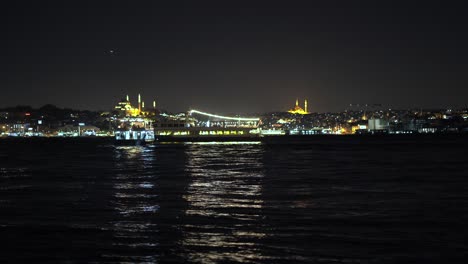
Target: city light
{"type": "Point", "coordinates": [224, 117]}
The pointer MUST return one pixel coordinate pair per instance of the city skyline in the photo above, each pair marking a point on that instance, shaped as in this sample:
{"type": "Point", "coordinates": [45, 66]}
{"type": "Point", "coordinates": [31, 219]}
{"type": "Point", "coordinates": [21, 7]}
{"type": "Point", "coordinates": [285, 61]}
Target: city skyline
{"type": "Point", "coordinates": [231, 58]}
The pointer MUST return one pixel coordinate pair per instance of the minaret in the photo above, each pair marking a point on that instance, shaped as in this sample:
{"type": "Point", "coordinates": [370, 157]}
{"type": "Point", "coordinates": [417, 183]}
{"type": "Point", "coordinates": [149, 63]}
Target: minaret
{"type": "Point", "coordinates": [139, 103]}
{"type": "Point", "coordinates": [297, 102]}
{"type": "Point", "coordinates": [143, 105]}
{"type": "Point", "coordinates": [128, 99]}
{"type": "Point", "coordinates": [154, 104]}
{"type": "Point", "coordinates": [305, 106]}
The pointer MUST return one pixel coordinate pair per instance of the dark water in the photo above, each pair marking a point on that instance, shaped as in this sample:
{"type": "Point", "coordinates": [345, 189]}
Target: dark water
{"type": "Point", "coordinates": [321, 200]}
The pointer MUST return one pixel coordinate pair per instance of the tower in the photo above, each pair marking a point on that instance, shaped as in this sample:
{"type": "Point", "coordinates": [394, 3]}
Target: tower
{"type": "Point", "coordinates": [128, 99]}
{"type": "Point", "coordinates": [154, 104]}
{"type": "Point", "coordinates": [297, 102]}
{"type": "Point", "coordinates": [139, 103]}
{"type": "Point", "coordinates": [305, 106]}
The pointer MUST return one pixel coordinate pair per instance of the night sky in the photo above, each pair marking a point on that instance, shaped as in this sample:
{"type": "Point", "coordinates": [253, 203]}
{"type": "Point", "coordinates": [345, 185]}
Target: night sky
{"type": "Point", "coordinates": [234, 56]}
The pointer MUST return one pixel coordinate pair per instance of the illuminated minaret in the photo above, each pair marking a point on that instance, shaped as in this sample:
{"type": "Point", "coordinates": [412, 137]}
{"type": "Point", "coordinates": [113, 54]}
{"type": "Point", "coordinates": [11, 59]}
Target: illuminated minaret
{"type": "Point", "coordinates": [154, 104]}
{"type": "Point", "coordinates": [139, 103]}
{"type": "Point", "coordinates": [128, 99]}
{"type": "Point", "coordinates": [297, 102]}
{"type": "Point", "coordinates": [305, 105]}
{"type": "Point", "coordinates": [143, 105]}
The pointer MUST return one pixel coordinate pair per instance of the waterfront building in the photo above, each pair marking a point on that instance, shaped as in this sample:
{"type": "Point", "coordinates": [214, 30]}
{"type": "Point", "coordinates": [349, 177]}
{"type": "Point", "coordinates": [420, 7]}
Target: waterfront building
{"type": "Point", "coordinates": [378, 124]}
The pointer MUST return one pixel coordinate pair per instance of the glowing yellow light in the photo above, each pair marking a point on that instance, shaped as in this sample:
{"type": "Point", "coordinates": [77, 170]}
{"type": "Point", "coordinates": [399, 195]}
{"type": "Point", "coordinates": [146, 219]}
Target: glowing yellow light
{"type": "Point", "coordinates": [298, 110]}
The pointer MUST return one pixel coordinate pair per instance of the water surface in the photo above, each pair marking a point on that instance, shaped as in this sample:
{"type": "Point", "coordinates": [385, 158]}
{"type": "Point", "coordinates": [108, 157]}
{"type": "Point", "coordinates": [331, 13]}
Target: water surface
{"type": "Point", "coordinates": [319, 200]}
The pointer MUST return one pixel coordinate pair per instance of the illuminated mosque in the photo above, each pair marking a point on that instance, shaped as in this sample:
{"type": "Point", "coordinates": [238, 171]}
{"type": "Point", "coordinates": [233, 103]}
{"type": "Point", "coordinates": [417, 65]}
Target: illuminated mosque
{"type": "Point", "coordinates": [298, 110]}
{"type": "Point", "coordinates": [125, 106]}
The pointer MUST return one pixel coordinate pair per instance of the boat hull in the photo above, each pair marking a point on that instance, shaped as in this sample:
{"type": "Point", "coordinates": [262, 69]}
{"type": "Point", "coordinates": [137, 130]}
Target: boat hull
{"type": "Point", "coordinates": [204, 134]}
{"type": "Point", "coordinates": [206, 138]}
{"type": "Point", "coordinates": [135, 142]}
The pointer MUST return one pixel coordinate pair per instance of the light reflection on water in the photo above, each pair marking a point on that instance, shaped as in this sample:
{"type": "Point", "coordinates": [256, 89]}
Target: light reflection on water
{"type": "Point", "coordinates": [225, 203]}
{"type": "Point", "coordinates": [135, 204]}
{"type": "Point", "coordinates": [355, 201]}
{"type": "Point", "coordinates": [225, 143]}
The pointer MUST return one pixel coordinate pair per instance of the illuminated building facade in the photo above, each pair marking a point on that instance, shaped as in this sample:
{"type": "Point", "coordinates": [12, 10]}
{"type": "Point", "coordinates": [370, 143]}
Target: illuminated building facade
{"type": "Point", "coordinates": [299, 110]}
{"type": "Point", "coordinates": [126, 108]}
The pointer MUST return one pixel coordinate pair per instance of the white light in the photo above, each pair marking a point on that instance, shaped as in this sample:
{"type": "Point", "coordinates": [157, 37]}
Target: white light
{"type": "Point", "coordinates": [224, 117]}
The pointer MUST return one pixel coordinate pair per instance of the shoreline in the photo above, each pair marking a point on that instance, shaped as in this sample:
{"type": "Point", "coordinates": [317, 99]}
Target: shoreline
{"type": "Point", "coordinates": [264, 139]}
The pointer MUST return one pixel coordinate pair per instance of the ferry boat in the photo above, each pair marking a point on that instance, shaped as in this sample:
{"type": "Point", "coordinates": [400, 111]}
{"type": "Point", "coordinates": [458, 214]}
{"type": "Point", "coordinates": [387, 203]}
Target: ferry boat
{"type": "Point", "coordinates": [134, 131]}
{"type": "Point", "coordinates": [185, 127]}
